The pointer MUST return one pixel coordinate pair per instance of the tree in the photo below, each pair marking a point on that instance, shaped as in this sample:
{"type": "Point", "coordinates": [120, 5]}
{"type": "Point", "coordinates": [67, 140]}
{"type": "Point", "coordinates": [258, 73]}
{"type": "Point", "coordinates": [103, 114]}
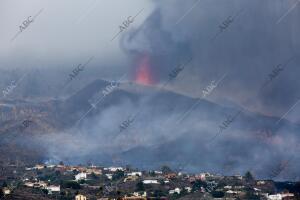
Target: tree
{"type": "Point", "coordinates": [183, 192]}
{"type": "Point", "coordinates": [45, 191]}
{"type": "Point", "coordinates": [140, 186]}
{"type": "Point", "coordinates": [71, 184]}
{"type": "Point", "coordinates": [250, 194]}
{"type": "Point", "coordinates": [161, 181]}
{"type": "Point", "coordinates": [198, 184]}
{"type": "Point", "coordinates": [119, 174]}
{"type": "Point", "coordinates": [94, 176]}
{"type": "Point", "coordinates": [159, 193]}
{"type": "Point", "coordinates": [4, 184]}
{"type": "Point", "coordinates": [57, 173]}
{"type": "Point", "coordinates": [249, 178]}
{"type": "Point", "coordinates": [217, 194]}
{"type": "Point", "coordinates": [152, 173]}
{"type": "Point", "coordinates": [1, 193]}
{"type": "Point", "coordinates": [166, 169]}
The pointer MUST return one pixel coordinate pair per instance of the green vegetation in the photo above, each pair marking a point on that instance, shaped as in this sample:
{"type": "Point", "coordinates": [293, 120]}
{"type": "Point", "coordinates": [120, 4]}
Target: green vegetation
{"type": "Point", "coordinates": [166, 170]}
{"type": "Point", "coordinates": [71, 184]}
{"type": "Point", "coordinates": [118, 175]}
{"type": "Point", "coordinates": [140, 186]}
{"type": "Point", "coordinates": [198, 184]}
{"type": "Point", "coordinates": [217, 194]}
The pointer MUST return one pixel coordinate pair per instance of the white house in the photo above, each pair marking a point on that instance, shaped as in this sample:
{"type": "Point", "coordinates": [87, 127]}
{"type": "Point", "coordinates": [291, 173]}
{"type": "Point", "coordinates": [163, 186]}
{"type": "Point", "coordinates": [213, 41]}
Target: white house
{"type": "Point", "coordinates": [114, 169]}
{"type": "Point", "coordinates": [233, 192]}
{"type": "Point", "coordinates": [40, 184]}
{"type": "Point", "coordinates": [6, 191]}
{"type": "Point", "coordinates": [279, 196]}
{"type": "Point", "coordinates": [29, 184]}
{"type": "Point", "coordinates": [188, 189]}
{"type": "Point", "coordinates": [39, 167]}
{"type": "Point", "coordinates": [287, 195]}
{"type": "Point", "coordinates": [261, 182]}
{"type": "Point", "coordinates": [53, 188]}
{"type": "Point", "coordinates": [135, 174]}
{"type": "Point", "coordinates": [109, 176]}
{"type": "Point", "coordinates": [80, 176]}
{"type": "Point", "coordinates": [150, 182]}
{"type": "Point", "coordinates": [275, 197]}
{"type": "Point", "coordinates": [94, 170]}
{"type": "Point", "coordinates": [176, 190]}
{"type": "Point", "coordinates": [51, 166]}
{"type": "Point", "coordinates": [238, 177]}
{"type": "Point", "coordinates": [228, 187]}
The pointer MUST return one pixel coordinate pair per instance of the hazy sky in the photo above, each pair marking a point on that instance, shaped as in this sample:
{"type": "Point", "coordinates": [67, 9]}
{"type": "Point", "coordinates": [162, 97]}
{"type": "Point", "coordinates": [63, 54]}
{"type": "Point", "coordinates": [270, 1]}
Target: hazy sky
{"type": "Point", "coordinates": [65, 32]}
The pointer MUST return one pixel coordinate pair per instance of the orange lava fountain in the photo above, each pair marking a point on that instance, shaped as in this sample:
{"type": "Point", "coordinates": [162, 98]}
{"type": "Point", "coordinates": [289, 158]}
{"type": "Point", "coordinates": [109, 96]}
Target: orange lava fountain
{"type": "Point", "coordinates": [143, 74]}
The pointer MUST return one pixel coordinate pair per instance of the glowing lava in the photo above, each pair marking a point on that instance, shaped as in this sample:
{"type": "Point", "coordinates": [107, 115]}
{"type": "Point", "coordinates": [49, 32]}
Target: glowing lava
{"type": "Point", "coordinates": [143, 73]}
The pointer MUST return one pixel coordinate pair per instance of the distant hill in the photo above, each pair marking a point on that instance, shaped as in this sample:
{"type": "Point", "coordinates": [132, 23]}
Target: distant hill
{"type": "Point", "coordinates": [165, 131]}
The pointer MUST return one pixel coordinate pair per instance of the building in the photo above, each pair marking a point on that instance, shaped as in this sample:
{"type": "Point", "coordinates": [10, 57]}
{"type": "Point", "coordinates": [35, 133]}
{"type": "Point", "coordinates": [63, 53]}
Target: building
{"type": "Point", "coordinates": [39, 167]}
{"type": "Point", "coordinates": [238, 177]}
{"type": "Point", "coordinates": [130, 178]}
{"type": "Point", "coordinates": [275, 197]}
{"type": "Point", "coordinates": [80, 197]}
{"type": "Point", "coordinates": [109, 176]}
{"type": "Point", "coordinates": [202, 176]}
{"type": "Point", "coordinates": [114, 169]}
{"type": "Point", "coordinates": [80, 176]}
{"type": "Point", "coordinates": [176, 190]}
{"type": "Point", "coordinates": [40, 184]}
{"type": "Point", "coordinates": [260, 182]}
{"type": "Point", "coordinates": [51, 166]}
{"type": "Point", "coordinates": [135, 174]}
{"type": "Point", "coordinates": [150, 182]}
{"type": "Point", "coordinates": [287, 195]}
{"type": "Point", "coordinates": [188, 189]}
{"type": "Point", "coordinates": [166, 181]}
{"type": "Point", "coordinates": [28, 184]}
{"type": "Point", "coordinates": [170, 175]}
{"type": "Point", "coordinates": [232, 192]}
{"type": "Point", "coordinates": [6, 191]}
{"type": "Point", "coordinates": [94, 170]}
{"type": "Point", "coordinates": [53, 188]}
{"type": "Point", "coordinates": [139, 194]}
{"type": "Point", "coordinates": [280, 196]}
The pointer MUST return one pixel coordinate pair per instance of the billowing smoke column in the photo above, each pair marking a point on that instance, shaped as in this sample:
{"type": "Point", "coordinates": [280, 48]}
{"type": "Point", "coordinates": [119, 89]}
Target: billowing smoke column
{"type": "Point", "coordinates": [155, 49]}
